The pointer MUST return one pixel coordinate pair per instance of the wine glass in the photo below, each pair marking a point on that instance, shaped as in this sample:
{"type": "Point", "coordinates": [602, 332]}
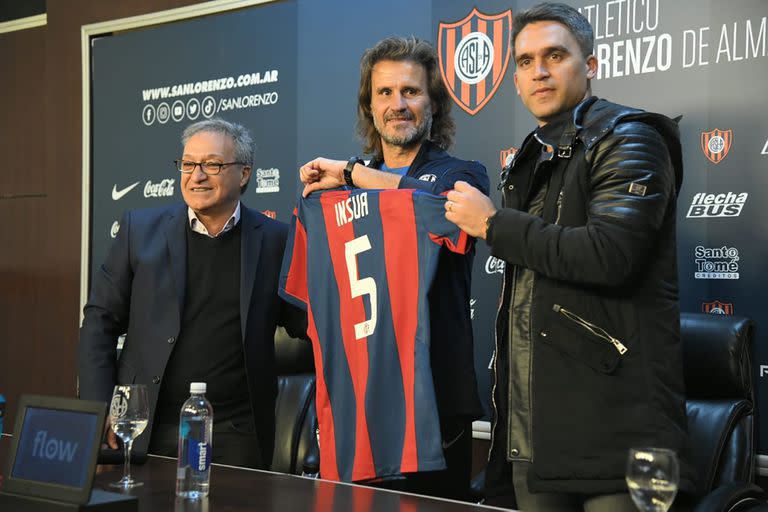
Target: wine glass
{"type": "Point", "coordinates": [129, 415]}
{"type": "Point", "coordinates": [652, 478]}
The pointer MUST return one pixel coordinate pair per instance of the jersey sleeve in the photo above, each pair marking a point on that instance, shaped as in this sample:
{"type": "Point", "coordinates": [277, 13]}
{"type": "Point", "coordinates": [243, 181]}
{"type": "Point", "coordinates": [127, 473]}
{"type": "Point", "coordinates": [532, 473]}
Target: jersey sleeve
{"type": "Point", "coordinates": [293, 274]}
{"type": "Point", "coordinates": [431, 210]}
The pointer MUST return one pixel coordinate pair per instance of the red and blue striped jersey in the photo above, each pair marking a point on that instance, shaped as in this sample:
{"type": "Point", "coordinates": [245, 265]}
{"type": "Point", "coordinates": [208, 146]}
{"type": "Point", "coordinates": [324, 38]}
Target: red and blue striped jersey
{"type": "Point", "coordinates": [361, 263]}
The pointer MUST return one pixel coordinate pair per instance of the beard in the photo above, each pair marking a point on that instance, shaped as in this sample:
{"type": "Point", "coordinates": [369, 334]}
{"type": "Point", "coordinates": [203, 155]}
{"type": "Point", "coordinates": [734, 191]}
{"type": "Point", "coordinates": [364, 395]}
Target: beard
{"type": "Point", "coordinates": [409, 137]}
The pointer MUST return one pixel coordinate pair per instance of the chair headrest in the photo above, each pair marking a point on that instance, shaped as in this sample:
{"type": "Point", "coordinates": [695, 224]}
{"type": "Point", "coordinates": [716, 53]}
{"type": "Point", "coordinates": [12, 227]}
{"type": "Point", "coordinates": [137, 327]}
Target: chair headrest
{"type": "Point", "coordinates": [716, 355]}
{"type": "Point", "coordinates": [292, 356]}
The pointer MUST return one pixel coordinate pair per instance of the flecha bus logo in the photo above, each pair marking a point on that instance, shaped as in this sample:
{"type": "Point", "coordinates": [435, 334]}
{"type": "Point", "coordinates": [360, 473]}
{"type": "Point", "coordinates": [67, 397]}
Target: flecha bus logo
{"type": "Point", "coordinates": [715, 144]}
{"type": "Point", "coordinates": [474, 54]}
{"type": "Point", "coordinates": [728, 204]}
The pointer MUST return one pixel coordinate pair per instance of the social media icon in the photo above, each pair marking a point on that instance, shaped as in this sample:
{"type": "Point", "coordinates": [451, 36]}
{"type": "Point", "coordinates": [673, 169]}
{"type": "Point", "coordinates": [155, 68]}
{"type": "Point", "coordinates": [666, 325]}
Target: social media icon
{"type": "Point", "coordinates": [148, 114]}
{"type": "Point", "coordinates": [193, 108]}
{"type": "Point", "coordinates": [178, 110]}
{"type": "Point", "coordinates": [209, 107]}
{"type": "Point", "coordinates": [163, 113]}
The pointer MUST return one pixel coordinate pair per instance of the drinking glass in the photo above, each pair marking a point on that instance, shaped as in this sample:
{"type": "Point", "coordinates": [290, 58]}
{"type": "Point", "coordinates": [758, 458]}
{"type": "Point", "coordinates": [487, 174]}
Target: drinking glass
{"type": "Point", "coordinates": [129, 415]}
{"type": "Point", "coordinates": [652, 478]}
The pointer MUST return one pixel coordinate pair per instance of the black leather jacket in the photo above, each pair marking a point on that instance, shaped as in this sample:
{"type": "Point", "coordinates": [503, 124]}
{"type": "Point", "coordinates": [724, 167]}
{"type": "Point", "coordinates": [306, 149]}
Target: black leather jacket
{"type": "Point", "coordinates": [588, 357]}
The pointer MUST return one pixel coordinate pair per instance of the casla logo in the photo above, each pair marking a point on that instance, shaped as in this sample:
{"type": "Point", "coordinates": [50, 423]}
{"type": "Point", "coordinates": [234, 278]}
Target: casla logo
{"type": "Point", "coordinates": [474, 54]}
{"type": "Point", "coordinates": [506, 156]}
{"type": "Point", "coordinates": [716, 143]}
{"type": "Point", "coordinates": [115, 228]}
{"type": "Point", "coordinates": [717, 308]}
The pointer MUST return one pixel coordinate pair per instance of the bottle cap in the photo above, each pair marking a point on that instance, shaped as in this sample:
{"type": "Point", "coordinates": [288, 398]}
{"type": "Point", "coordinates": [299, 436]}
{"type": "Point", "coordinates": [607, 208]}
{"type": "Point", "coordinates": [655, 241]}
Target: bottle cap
{"type": "Point", "coordinates": [197, 387]}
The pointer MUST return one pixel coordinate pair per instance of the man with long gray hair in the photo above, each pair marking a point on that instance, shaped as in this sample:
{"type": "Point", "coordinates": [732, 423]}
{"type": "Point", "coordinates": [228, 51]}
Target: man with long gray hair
{"type": "Point", "coordinates": [405, 122]}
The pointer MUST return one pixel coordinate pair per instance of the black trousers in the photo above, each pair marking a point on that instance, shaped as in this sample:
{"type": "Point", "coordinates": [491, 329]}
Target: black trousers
{"type": "Point", "coordinates": [234, 443]}
{"type": "Point", "coordinates": [451, 483]}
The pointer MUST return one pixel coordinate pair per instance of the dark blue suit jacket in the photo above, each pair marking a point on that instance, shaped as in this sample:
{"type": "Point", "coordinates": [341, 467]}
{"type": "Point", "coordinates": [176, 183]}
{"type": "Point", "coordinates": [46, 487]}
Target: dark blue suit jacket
{"type": "Point", "coordinates": [139, 290]}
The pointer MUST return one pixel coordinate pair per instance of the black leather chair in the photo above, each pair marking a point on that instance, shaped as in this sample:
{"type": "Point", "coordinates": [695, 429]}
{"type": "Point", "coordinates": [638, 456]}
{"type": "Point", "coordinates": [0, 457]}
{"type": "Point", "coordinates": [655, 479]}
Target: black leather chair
{"type": "Point", "coordinates": [295, 417]}
{"type": "Point", "coordinates": [720, 409]}
{"type": "Point", "coordinates": [721, 414]}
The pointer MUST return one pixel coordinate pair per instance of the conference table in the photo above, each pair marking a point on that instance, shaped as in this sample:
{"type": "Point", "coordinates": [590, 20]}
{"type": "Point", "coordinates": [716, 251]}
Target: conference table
{"type": "Point", "coordinates": [235, 489]}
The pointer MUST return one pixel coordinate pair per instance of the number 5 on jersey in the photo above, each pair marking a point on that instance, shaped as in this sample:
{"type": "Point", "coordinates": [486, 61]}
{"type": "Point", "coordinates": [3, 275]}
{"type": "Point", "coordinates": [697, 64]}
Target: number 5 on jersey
{"type": "Point", "coordinates": [360, 287]}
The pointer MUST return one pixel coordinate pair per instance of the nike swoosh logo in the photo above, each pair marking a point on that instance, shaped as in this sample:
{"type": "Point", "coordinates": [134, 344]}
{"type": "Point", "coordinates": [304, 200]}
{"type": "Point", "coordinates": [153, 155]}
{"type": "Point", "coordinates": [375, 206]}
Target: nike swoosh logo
{"type": "Point", "coordinates": [447, 445]}
{"type": "Point", "coordinates": [118, 194]}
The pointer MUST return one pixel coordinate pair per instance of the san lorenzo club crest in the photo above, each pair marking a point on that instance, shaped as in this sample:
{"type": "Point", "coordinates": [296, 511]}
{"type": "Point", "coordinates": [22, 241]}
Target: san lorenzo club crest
{"type": "Point", "coordinates": [717, 308]}
{"type": "Point", "coordinates": [474, 53]}
{"type": "Point", "coordinates": [715, 144]}
{"type": "Point", "coordinates": [506, 156]}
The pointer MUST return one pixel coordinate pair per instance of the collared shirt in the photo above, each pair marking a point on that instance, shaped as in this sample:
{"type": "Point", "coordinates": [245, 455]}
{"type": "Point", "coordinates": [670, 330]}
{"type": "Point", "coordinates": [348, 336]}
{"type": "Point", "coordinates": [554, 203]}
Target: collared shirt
{"type": "Point", "coordinates": [197, 226]}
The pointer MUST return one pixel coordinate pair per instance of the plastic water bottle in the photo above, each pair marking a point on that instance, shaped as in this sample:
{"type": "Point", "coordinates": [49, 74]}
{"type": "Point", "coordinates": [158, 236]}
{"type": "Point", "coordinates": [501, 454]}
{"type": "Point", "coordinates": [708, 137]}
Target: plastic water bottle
{"type": "Point", "coordinates": [195, 444]}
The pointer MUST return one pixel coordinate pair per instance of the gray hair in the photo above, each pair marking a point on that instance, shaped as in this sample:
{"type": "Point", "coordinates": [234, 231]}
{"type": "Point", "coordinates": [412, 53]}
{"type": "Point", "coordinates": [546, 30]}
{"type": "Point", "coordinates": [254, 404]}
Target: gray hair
{"type": "Point", "coordinates": [239, 134]}
{"type": "Point", "coordinates": [573, 20]}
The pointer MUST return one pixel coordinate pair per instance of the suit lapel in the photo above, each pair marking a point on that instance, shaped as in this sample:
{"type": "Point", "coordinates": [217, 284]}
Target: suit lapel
{"type": "Point", "coordinates": [176, 234]}
{"type": "Point", "coordinates": [250, 248]}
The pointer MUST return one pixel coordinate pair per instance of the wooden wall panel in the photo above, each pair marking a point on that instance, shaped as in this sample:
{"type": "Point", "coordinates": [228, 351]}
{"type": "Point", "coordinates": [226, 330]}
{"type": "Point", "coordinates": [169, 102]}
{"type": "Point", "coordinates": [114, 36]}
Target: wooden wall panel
{"type": "Point", "coordinates": [40, 148]}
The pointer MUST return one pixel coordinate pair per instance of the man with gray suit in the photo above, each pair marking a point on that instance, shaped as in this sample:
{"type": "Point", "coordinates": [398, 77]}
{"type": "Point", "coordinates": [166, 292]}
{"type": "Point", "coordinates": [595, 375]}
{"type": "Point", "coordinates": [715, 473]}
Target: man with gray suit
{"type": "Point", "coordinates": [194, 286]}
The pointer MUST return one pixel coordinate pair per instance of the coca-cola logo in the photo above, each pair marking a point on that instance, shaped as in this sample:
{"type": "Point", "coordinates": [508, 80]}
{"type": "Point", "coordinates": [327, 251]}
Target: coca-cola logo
{"type": "Point", "coordinates": [494, 266]}
{"type": "Point", "coordinates": [162, 189]}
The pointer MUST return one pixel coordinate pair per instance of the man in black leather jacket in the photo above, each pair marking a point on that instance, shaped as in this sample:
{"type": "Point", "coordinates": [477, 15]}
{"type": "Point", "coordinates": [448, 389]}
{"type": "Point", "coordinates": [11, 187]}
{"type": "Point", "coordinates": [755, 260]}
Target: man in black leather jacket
{"type": "Point", "coordinates": [588, 356]}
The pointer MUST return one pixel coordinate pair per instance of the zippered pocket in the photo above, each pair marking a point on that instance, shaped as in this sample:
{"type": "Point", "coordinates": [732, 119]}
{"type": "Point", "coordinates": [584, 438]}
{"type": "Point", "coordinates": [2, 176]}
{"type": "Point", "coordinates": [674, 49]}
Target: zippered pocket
{"type": "Point", "coordinates": [589, 326]}
{"type": "Point", "coordinates": [582, 340]}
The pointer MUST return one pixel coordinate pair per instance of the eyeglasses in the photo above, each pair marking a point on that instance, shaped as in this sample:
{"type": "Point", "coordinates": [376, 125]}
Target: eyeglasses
{"type": "Point", "coordinates": [209, 168]}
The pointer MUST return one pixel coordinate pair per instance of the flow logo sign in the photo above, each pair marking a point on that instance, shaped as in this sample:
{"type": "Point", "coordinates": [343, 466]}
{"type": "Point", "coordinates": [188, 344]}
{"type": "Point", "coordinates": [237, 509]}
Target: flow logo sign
{"type": "Point", "coordinates": [474, 53]}
{"type": "Point", "coordinates": [50, 448]}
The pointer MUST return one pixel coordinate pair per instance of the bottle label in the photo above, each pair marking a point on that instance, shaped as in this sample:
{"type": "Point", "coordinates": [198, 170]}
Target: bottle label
{"type": "Point", "coordinates": [199, 455]}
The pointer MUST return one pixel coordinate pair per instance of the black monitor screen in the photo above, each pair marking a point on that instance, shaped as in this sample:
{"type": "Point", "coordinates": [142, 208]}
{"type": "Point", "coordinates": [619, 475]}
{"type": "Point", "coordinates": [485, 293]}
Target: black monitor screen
{"type": "Point", "coordinates": [55, 446]}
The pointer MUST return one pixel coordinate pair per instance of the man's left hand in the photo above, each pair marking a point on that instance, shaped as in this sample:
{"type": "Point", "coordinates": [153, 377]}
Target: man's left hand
{"type": "Point", "coordinates": [469, 208]}
{"type": "Point", "coordinates": [322, 174]}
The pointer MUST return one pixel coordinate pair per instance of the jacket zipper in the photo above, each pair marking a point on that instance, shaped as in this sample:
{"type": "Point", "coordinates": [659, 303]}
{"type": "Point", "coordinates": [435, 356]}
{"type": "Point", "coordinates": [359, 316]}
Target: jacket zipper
{"type": "Point", "coordinates": [559, 206]}
{"type": "Point", "coordinates": [597, 331]}
{"type": "Point", "coordinates": [495, 358]}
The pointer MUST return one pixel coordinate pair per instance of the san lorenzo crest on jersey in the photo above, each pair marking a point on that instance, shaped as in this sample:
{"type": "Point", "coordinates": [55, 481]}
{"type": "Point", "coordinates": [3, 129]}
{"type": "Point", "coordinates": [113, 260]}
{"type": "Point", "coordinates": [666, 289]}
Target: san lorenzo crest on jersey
{"type": "Point", "coordinates": [716, 143]}
{"type": "Point", "coordinates": [506, 156]}
{"type": "Point", "coordinates": [474, 53]}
